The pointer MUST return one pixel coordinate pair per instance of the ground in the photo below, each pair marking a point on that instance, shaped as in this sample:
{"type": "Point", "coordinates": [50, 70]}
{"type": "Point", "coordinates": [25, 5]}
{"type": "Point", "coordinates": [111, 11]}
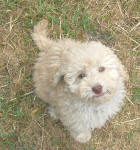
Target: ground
{"type": "Point", "coordinates": [24, 121]}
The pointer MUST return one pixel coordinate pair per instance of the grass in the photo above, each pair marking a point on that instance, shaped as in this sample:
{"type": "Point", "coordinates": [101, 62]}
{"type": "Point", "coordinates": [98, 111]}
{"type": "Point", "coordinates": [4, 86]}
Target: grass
{"type": "Point", "coordinates": [24, 121]}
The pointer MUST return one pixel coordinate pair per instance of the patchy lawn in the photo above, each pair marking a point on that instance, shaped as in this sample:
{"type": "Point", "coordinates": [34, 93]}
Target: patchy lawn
{"type": "Point", "coordinates": [24, 121]}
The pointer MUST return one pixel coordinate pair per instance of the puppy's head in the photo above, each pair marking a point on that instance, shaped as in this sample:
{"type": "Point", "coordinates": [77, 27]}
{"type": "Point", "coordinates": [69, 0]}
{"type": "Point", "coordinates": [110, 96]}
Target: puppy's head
{"type": "Point", "coordinates": [92, 72]}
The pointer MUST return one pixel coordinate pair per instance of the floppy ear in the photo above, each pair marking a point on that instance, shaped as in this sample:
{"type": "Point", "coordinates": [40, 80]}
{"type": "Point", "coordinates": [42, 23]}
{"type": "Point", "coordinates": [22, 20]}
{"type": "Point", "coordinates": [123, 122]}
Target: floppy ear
{"type": "Point", "coordinates": [123, 73]}
{"type": "Point", "coordinates": [56, 66]}
{"type": "Point", "coordinates": [58, 77]}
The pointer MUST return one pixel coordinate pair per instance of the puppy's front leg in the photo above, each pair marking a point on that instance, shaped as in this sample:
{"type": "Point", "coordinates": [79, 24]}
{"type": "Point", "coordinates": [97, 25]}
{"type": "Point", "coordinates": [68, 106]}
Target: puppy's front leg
{"type": "Point", "coordinates": [82, 137]}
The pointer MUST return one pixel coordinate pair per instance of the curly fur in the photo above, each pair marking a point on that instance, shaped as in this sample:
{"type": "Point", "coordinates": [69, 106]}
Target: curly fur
{"type": "Point", "coordinates": [71, 98]}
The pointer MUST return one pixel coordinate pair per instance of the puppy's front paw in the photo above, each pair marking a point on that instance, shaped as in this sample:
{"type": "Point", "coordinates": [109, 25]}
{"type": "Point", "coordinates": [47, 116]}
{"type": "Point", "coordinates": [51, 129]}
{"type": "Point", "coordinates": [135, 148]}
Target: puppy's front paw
{"type": "Point", "coordinates": [83, 137]}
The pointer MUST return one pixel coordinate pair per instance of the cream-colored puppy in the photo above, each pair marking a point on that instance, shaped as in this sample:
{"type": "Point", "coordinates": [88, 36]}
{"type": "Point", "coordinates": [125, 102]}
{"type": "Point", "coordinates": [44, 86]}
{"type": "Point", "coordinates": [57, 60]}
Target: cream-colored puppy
{"type": "Point", "coordinates": [83, 83]}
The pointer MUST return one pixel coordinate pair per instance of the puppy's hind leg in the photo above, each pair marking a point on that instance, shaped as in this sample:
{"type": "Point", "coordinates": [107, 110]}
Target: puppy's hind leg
{"type": "Point", "coordinates": [39, 35]}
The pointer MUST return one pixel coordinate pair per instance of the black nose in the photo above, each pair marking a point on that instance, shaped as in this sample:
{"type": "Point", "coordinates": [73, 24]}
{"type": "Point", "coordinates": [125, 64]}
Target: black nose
{"type": "Point", "coordinates": [97, 89]}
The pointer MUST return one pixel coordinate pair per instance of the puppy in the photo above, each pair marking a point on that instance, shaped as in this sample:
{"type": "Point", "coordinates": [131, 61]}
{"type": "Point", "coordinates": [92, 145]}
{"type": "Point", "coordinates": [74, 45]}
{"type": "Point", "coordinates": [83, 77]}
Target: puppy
{"type": "Point", "coordinates": [83, 82]}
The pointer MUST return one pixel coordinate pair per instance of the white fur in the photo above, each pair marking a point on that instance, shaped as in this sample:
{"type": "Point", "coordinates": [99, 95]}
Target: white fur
{"type": "Point", "coordinates": [71, 99]}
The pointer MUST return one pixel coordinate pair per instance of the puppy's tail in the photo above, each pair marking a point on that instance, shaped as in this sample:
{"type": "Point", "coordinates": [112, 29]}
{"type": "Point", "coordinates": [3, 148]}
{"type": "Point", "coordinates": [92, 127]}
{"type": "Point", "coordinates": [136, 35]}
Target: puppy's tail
{"type": "Point", "coordinates": [39, 35]}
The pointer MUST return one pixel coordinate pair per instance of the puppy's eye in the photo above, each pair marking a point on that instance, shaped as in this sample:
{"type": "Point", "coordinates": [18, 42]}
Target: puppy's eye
{"type": "Point", "coordinates": [82, 75]}
{"type": "Point", "coordinates": [101, 69]}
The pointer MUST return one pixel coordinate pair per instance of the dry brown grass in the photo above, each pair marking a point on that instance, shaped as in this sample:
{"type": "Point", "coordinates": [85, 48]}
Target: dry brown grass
{"type": "Point", "coordinates": [24, 121]}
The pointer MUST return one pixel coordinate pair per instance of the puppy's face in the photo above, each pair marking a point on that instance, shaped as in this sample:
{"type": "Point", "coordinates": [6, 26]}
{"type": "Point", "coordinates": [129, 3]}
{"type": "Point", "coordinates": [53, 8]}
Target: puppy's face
{"type": "Point", "coordinates": [93, 73]}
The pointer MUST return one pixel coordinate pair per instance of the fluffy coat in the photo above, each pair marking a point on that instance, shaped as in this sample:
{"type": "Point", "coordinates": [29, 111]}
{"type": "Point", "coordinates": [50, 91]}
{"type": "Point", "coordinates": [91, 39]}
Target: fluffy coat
{"type": "Point", "coordinates": [83, 82]}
